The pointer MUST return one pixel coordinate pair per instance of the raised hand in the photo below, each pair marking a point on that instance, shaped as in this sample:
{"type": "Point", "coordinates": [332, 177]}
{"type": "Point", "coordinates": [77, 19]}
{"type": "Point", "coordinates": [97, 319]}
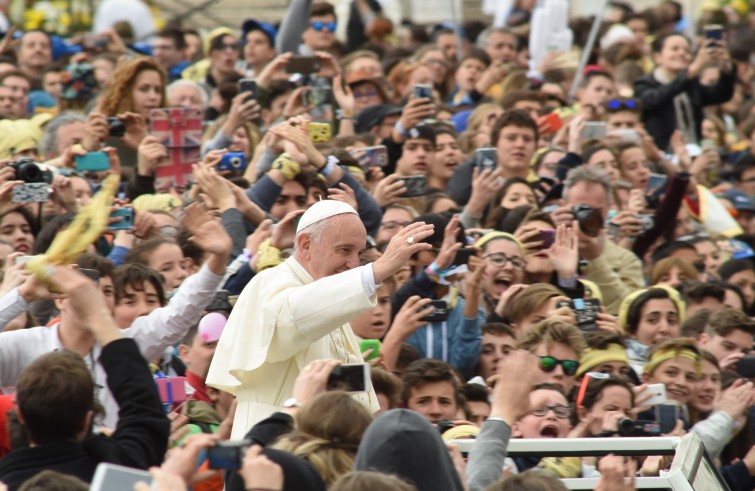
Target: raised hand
{"type": "Point", "coordinates": [284, 232]}
{"type": "Point", "coordinates": [401, 248]}
{"type": "Point", "coordinates": [207, 232]}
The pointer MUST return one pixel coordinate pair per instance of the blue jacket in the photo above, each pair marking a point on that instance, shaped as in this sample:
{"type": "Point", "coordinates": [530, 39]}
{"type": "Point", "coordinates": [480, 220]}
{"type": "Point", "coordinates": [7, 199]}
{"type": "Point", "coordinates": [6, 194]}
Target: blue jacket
{"type": "Point", "coordinates": [456, 341]}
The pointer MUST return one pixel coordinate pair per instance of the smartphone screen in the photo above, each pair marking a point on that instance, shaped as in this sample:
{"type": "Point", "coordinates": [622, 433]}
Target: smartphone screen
{"type": "Point", "coordinates": [351, 378]}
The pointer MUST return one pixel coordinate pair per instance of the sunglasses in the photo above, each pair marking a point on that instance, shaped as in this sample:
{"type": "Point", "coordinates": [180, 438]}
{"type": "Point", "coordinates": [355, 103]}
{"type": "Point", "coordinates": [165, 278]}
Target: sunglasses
{"type": "Point", "coordinates": [619, 104]}
{"type": "Point", "coordinates": [320, 26]}
{"type": "Point", "coordinates": [548, 364]}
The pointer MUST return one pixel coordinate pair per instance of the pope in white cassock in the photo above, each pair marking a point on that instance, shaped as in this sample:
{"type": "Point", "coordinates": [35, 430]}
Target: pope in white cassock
{"type": "Point", "coordinates": [298, 311]}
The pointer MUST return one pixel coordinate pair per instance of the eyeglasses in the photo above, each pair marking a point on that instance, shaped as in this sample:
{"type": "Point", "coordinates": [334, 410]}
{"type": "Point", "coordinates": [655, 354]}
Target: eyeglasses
{"type": "Point", "coordinates": [320, 26]}
{"type": "Point", "coordinates": [619, 104]}
{"type": "Point", "coordinates": [561, 412]}
{"type": "Point", "coordinates": [499, 260]}
{"type": "Point", "coordinates": [361, 94]}
{"type": "Point", "coordinates": [229, 46]}
{"type": "Point", "coordinates": [392, 225]}
{"type": "Point", "coordinates": [548, 364]}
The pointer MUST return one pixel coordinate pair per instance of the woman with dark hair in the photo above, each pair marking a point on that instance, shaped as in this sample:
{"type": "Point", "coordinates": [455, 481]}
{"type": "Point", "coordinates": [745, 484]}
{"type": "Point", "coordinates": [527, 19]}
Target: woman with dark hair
{"type": "Point", "coordinates": [603, 401]}
{"type": "Point", "coordinates": [18, 228]}
{"type": "Point", "coordinates": [649, 317]}
{"type": "Point", "coordinates": [740, 273]}
{"type": "Point", "coordinates": [516, 192]}
{"type": "Point", "coordinates": [673, 96]}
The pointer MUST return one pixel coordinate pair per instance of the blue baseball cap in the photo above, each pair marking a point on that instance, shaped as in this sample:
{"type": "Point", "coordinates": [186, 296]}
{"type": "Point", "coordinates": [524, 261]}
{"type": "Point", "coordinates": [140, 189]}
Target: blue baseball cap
{"type": "Point", "coordinates": [250, 25]}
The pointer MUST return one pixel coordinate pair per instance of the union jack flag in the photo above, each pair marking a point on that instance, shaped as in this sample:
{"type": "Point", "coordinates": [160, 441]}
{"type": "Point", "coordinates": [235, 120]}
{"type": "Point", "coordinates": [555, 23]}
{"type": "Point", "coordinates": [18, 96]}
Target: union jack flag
{"type": "Point", "coordinates": [177, 127]}
{"type": "Point", "coordinates": [176, 171]}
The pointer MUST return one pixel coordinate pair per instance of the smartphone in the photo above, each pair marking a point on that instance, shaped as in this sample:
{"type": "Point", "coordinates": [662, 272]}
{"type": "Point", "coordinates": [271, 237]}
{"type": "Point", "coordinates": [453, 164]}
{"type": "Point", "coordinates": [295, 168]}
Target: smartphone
{"type": "Point", "coordinates": [486, 158]}
{"type": "Point", "coordinates": [351, 378]}
{"type": "Point", "coordinates": [658, 392]}
{"type": "Point", "coordinates": [23, 259]}
{"type": "Point", "coordinates": [317, 96]}
{"type": "Point", "coordinates": [666, 415]}
{"type": "Point", "coordinates": [586, 311]}
{"type": "Point", "coordinates": [303, 64]}
{"type": "Point", "coordinates": [127, 219]}
{"type": "Point", "coordinates": [746, 366]}
{"type": "Point", "coordinates": [422, 91]}
{"type": "Point", "coordinates": [656, 185]}
{"type": "Point", "coordinates": [92, 274]}
{"type": "Point", "coordinates": [112, 477]}
{"type": "Point", "coordinates": [377, 155]}
{"type": "Point", "coordinates": [373, 344]}
{"type": "Point", "coordinates": [415, 186]}
{"type": "Point", "coordinates": [116, 127]}
{"type": "Point", "coordinates": [35, 192]}
{"type": "Point", "coordinates": [227, 454]}
{"type": "Point", "coordinates": [594, 130]}
{"type": "Point", "coordinates": [319, 132]}
{"type": "Point", "coordinates": [715, 33]}
{"type": "Point", "coordinates": [547, 237]}
{"type": "Point", "coordinates": [232, 161]}
{"type": "Point", "coordinates": [248, 85]}
{"type": "Point", "coordinates": [94, 42]}
{"type": "Point", "coordinates": [463, 255]}
{"type": "Point", "coordinates": [172, 390]}
{"type": "Point", "coordinates": [92, 162]}
{"type": "Point", "coordinates": [626, 134]}
{"type": "Point", "coordinates": [439, 313]}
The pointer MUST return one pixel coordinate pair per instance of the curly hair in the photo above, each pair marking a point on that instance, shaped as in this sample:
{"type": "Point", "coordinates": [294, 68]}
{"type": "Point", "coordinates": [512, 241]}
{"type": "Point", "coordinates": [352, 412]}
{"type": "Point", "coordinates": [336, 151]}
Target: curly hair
{"type": "Point", "coordinates": [117, 98]}
{"type": "Point", "coordinates": [328, 431]}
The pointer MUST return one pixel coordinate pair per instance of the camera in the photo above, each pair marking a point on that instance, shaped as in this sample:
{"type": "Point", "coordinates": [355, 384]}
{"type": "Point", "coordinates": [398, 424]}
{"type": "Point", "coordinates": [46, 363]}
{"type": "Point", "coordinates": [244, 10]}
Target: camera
{"type": "Point", "coordinates": [116, 127]}
{"type": "Point", "coordinates": [31, 172]}
{"type": "Point", "coordinates": [590, 219]}
{"type": "Point", "coordinates": [640, 427]}
{"type": "Point", "coordinates": [232, 161]}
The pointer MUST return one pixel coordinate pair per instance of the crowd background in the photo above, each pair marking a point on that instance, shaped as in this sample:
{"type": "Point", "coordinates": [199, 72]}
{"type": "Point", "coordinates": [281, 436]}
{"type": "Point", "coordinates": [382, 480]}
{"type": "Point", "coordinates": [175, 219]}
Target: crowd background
{"type": "Point", "coordinates": [588, 244]}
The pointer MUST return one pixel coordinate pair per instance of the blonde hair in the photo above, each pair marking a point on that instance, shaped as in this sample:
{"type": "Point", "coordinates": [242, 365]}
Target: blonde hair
{"type": "Point", "coordinates": [328, 431]}
{"type": "Point", "coordinates": [528, 301]}
{"type": "Point", "coordinates": [252, 133]}
{"type": "Point", "coordinates": [550, 332]}
{"type": "Point", "coordinates": [664, 266]}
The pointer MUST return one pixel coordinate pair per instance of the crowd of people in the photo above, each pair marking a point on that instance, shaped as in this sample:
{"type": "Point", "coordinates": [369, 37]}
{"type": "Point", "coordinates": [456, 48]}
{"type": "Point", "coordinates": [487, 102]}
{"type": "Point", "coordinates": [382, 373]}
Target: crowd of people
{"type": "Point", "coordinates": [508, 257]}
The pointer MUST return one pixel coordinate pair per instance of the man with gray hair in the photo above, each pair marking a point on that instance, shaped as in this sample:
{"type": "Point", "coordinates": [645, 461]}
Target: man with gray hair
{"type": "Point", "coordinates": [63, 131]}
{"type": "Point", "coordinates": [499, 43]}
{"type": "Point", "coordinates": [587, 198]}
{"type": "Point", "coordinates": [298, 311]}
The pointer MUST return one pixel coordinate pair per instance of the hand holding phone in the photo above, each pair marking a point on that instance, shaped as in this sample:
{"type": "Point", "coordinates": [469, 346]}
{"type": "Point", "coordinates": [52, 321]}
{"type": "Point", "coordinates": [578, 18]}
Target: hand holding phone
{"type": "Point", "coordinates": [351, 378]}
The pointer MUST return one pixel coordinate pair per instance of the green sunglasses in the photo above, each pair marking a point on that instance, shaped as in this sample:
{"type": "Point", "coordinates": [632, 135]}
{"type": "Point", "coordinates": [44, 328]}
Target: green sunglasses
{"type": "Point", "coordinates": [548, 364]}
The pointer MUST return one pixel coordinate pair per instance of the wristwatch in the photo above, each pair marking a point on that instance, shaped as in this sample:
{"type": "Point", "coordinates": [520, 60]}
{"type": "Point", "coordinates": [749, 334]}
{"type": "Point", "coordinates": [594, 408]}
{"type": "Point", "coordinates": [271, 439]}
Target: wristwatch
{"type": "Point", "coordinates": [292, 402]}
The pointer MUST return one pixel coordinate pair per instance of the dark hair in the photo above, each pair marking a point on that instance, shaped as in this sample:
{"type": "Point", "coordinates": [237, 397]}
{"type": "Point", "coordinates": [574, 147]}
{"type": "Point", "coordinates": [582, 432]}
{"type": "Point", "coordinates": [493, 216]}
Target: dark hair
{"type": "Point", "coordinates": [723, 322]}
{"type": "Point", "coordinates": [387, 384]}
{"type": "Point", "coordinates": [136, 276]}
{"type": "Point", "coordinates": [667, 249]}
{"type": "Point", "coordinates": [48, 480]}
{"type": "Point", "coordinates": [593, 74]}
{"type": "Point", "coordinates": [426, 371]}
{"type": "Point", "coordinates": [595, 388]}
{"type": "Point", "coordinates": [507, 185]}
{"type": "Point", "coordinates": [477, 54]}
{"type": "Point", "coordinates": [746, 161]}
{"type": "Point", "coordinates": [594, 148]}
{"type": "Point", "coordinates": [515, 117]}
{"type": "Point", "coordinates": [33, 223]}
{"type": "Point", "coordinates": [216, 43]}
{"type": "Point", "coordinates": [735, 289]}
{"type": "Point", "coordinates": [498, 329]}
{"type": "Point", "coordinates": [476, 393]}
{"type": "Point", "coordinates": [176, 35]}
{"type": "Point", "coordinates": [601, 340]}
{"type": "Point", "coordinates": [695, 324]}
{"type": "Point", "coordinates": [406, 356]}
{"type": "Point", "coordinates": [321, 9]}
{"type": "Point", "coordinates": [657, 44]}
{"type": "Point", "coordinates": [54, 395]}
{"type": "Point", "coordinates": [634, 313]}
{"type": "Point", "coordinates": [531, 480]}
{"type": "Point", "coordinates": [732, 267]}
{"type": "Point", "coordinates": [698, 291]}
{"type": "Point", "coordinates": [509, 100]}
{"type": "Point", "coordinates": [508, 221]}
{"type": "Point", "coordinates": [103, 265]}
{"type": "Point", "coordinates": [50, 230]}
{"type": "Point", "coordinates": [440, 221]}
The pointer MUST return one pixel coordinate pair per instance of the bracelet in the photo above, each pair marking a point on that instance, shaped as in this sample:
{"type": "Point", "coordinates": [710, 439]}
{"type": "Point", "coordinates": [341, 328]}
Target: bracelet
{"type": "Point", "coordinates": [329, 167]}
{"type": "Point", "coordinates": [401, 130]}
{"type": "Point", "coordinates": [287, 166]}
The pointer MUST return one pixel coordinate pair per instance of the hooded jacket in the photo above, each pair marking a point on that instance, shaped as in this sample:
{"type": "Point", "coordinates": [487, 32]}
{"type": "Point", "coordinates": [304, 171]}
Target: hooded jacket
{"type": "Point", "coordinates": [403, 442]}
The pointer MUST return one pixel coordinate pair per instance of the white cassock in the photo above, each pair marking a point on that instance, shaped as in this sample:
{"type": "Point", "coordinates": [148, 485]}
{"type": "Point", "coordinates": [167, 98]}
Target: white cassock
{"type": "Point", "coordinates": [282, 321]}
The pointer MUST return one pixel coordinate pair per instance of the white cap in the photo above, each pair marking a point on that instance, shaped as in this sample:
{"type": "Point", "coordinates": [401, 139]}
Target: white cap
{"type": "Point", "coordinates": [321, 210]}
{"type": "Point", "coordinates": [618, 33]}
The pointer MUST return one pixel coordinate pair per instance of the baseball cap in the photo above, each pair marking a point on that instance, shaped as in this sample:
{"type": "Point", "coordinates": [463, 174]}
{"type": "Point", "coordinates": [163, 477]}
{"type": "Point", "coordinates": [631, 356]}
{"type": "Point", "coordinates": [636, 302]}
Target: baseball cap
{"type": "Point", "coordinates": [739, 200]}
{"type": "Point", "coordinates": [250, 25]}
{"type": "Point", "coordinates": [374, 115]}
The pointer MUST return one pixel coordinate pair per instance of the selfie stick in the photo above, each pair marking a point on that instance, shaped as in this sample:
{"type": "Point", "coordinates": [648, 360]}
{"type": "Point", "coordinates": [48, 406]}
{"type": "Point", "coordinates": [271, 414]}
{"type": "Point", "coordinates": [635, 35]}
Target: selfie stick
{"type": "Point", "coordinates": [457, 28]}
{"type": "Point", "coordinates": [587, 50]}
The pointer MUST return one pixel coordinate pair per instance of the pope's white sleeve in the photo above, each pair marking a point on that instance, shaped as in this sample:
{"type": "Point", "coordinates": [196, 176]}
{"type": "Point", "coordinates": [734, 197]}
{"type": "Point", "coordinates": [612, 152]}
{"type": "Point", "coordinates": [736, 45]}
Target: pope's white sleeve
{"type": "Point", "coordinates": [368, 280]}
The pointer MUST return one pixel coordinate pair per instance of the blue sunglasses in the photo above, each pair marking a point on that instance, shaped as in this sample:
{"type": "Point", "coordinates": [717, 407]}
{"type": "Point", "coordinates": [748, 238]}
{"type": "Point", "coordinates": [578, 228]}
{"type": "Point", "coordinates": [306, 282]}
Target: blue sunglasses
{"type": "Point", "coordinates": [320, 26]}
{"type": "Point", "coordinates": [619, 104]}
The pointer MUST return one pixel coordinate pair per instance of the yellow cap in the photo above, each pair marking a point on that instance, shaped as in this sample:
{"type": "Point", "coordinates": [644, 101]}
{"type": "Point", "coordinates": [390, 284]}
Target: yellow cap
{"type": "Point", "coordinates": [629, 300]}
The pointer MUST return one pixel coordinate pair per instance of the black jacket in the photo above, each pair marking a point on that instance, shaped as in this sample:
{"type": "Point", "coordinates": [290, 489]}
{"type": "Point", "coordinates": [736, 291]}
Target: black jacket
{"type": "Point", "coordinates": [657, 99]}
{"type": "Point", "coordinates": [140, 439]}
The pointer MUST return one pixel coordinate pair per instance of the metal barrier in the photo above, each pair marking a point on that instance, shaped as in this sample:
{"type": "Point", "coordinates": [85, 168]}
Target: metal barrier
{"type": "Point", "coordinates": [691, 469]}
